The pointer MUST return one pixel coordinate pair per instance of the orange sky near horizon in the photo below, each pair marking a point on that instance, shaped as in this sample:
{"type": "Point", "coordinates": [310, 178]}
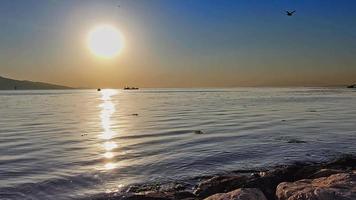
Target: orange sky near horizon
{"type": "Point", "coordinates": [212, 45]}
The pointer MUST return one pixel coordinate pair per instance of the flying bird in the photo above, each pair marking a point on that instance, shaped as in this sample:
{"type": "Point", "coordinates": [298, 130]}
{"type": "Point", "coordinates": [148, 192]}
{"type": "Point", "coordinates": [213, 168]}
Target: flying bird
{"type": "Point", "coordinates": [290, 13]}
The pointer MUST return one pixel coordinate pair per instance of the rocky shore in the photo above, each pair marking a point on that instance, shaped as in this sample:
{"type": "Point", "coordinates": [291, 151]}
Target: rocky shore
{"type": "Point", "coordinates": [334, 180]}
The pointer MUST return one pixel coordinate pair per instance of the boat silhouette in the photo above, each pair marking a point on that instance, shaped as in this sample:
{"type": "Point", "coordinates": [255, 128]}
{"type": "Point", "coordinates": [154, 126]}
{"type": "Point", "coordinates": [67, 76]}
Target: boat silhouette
{"type": "Point", "coordinates": [131, 88]}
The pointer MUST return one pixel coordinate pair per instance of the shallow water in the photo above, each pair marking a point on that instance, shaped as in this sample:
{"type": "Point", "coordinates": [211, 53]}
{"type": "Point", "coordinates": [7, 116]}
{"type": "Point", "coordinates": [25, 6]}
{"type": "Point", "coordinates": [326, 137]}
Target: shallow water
{"type": "Point", "coordinates": [78, 143]}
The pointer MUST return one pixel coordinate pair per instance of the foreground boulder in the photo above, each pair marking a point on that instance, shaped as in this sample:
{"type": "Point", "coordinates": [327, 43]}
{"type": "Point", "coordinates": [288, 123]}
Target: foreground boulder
{"type": "Point", "coordinates": [338, 186]}
{"type": "Point", "coordinates": [240, 194]}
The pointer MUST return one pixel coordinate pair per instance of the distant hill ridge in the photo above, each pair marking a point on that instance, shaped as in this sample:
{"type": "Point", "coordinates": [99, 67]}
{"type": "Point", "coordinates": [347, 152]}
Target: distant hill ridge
{"type": "Point", "coordinates": [12, 84]}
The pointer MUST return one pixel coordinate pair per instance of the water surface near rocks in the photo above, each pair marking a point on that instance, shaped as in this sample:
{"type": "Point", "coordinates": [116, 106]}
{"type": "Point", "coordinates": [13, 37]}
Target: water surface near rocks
{"type": "Point", "coordinates": [77, 143]}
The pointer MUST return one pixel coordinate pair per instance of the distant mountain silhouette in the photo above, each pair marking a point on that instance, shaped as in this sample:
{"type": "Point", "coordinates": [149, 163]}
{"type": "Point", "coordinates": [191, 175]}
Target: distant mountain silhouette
{"type": "Point", "coordinates": [11, 84]}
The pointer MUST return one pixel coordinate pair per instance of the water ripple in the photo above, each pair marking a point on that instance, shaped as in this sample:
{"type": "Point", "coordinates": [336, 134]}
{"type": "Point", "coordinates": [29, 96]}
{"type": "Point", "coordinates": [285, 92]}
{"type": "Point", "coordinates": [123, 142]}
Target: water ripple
{"type": "Point", "coordinates": [77, 143]}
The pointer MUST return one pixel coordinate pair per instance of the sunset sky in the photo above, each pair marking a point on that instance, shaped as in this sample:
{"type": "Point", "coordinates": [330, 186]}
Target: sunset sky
{"type": "Point", "coordinates": [181, 43]}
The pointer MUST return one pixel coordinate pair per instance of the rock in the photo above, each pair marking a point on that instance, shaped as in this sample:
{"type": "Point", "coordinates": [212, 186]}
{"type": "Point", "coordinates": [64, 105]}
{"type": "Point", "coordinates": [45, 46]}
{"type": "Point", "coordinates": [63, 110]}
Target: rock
{"type": "Point", "coordinates": [351, 86]}
{"type": "Point", "coordinates": [158, 196]}
{"type": "Point", "coordinates": [184, 195]}
{"type": "Point", "coordinates": [143, 188]}
{"type": "Point", "coordinates": [172, 187]}
{"type": "Point", "coordinates": [344, 162]}
{"type": "Point", "coordinates": [291, 140]}
{"type": "Point", "coordinates": [300, 177]}
{"type": "Point", "coordinates": [198, 132]}
{"type": "Point", "coordinates": [148, 196]}
{"type": "Point", "coordinates": [255, 175]}
{"type": "Point", "coordinates": [262, 174]}
{"type": "Point", "coordinates": [179, 187]}
{"type": "Point", "coordinates": [296, 141]}
{"type": "Point", "coordinates": [153, 196]}
{"type": "Point", "coordinates": [324, 173]}
{"type": "Point", "coordinates": [133, 188]}
{"type": "Point", "coordinates": [240, 194]}
{"type": "Point", "coordinates": [313, 111]}
{"type": "Point", "coordinates": [258, 174]}
{"type": "Point", "coordinates": [219, 184]}
{"type": "Point", "coordinates": [338, 186]}
{"type": "Point", "coordinates": [269, 181]}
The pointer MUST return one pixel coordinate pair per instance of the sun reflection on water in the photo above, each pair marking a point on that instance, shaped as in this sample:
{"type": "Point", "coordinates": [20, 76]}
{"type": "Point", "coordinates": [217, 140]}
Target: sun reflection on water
{"type": "Point", "coordinates": [107, 110]}
{"type": "Point", "coordinates": [109, 146]}
{"type": "Point", "coordinates": [109, 166]}
{"type": "Point", "coordinates": [108, 155]}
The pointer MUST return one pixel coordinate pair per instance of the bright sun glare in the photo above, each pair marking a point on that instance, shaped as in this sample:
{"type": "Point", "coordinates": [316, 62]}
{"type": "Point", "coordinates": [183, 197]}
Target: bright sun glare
{"type": "Point", "coordinates": [105, 41]}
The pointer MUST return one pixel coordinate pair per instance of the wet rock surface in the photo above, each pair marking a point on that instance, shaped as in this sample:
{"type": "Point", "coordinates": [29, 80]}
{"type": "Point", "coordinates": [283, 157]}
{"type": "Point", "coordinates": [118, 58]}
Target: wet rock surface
{"type": "Point", "coordinates": [219, 184]}
{"type": "Point", "coordinates": [295, 182]}
{"type": "Point", "coordinates": [338, 186]}
{"type": "Point", "coordinates": [325, 172]}
{"type": "Point", "coordinates": [239, 194]}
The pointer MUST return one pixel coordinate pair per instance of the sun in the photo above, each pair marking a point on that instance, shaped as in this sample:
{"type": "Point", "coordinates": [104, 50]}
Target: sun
{"type": "Point", "coordinates": [105, 41]}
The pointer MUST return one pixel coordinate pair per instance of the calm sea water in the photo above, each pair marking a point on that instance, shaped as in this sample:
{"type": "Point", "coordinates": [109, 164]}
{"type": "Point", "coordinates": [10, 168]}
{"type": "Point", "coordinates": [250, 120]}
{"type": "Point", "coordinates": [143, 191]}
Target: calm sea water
{"type": "Point", "coordinates": [74, 144]}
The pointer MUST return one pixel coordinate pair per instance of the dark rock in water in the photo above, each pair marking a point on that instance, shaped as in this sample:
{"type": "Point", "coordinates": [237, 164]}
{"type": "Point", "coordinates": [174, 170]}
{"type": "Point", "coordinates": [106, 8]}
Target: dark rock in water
{"type": "Point", "coordinates": [172, 187]}
{"type": "Point", "coordinates": [258, 174]}
{"type": "Point", "coordinates": [143, 188]}
{"type": "Point", "coordinates": [246, 171]}
{"type": "Point", "coordinates": [290, 140]}
{"type": "Point", "coordinates": [139, 196]}
{"type": "Point", "coordinates": [147, 196]}
{"type": "Point", "coordinates": [239, 194]}
{"type": "Point", "coordinates": [219, 184]}
{"type": "Point", "coordinates": [325, 172]}
{"type": "Point", "coordinates": [255, 175]}
{"type": "Point", "coordinates": [199, 132]}
{"type": "Point", "coordinates": [135, 114]}
{"type": "Point", "coordinates": [134, 189]}
{"type": "Point", "coordinates": [351, 86]}
{"type": "Point", "coordinates": [162, 196]}
{"type": "Point", "coordinates": [296, 141]}
{"type": "Point", "coordinates": [179, 187]}
{"type": "Point", "coordinates": [184, 195]}
{"type": "Point", "coordinates": [345, 162]}
{"type": "Point", "coordinates": [313, 111]}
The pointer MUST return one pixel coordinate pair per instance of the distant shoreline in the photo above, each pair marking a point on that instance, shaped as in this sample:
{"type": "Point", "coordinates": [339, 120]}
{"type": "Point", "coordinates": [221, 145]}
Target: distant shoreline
{"type": "Point", "coordinates": [12, 84]}
{"type": "Point", "coordinates": [178, 88]}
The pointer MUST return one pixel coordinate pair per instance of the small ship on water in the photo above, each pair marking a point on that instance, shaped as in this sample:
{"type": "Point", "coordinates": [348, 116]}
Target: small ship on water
{"type": "Point", "coordinates": [131, 88]}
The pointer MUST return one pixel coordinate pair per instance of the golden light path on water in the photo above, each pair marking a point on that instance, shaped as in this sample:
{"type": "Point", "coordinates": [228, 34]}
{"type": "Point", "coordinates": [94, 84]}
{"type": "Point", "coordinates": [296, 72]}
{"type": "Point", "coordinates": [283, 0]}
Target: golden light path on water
{"type": "Point", "coordinates": [107, 110]}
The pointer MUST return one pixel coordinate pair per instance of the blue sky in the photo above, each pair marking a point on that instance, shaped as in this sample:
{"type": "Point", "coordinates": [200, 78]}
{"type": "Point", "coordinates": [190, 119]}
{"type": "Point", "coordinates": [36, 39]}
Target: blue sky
{"type": "Point", "coordinates": [182, 43]}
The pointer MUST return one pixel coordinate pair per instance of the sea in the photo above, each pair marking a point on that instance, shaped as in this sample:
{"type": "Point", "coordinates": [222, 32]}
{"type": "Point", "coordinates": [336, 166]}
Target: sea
{"type": "Point", "coordinates": [76, 144]}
